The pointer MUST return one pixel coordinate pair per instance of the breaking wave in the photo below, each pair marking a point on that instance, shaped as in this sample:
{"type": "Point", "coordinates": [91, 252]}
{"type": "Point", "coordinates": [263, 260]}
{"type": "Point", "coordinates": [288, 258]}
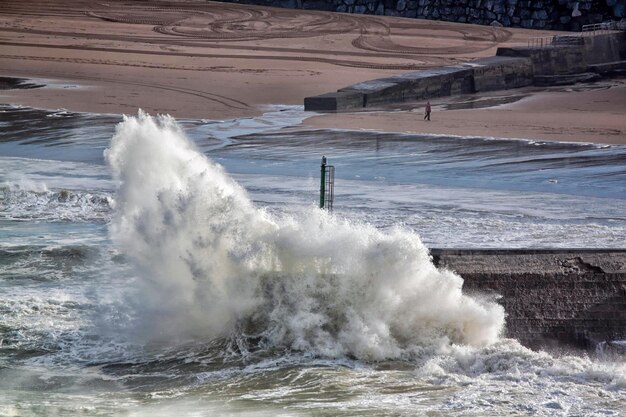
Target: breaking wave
{"type": "Point", "coordinates": [213, 265]}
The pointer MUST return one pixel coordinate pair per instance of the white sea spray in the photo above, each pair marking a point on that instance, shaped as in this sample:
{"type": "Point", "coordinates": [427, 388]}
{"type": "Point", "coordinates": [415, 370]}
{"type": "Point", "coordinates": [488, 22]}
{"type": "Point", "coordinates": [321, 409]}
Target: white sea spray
{"type": "Point", "coordinates": [212, 264]}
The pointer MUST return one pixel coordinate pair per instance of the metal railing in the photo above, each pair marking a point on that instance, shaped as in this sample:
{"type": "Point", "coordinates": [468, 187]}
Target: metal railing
{"type": "Point", "coordinates": [568, 40]}
{"type": "Point", "coordinates": [541, 42]}
{"type": "Point", "coordinates": [587, 30]}
{"type": "Point", "coordinates": [600, 28]}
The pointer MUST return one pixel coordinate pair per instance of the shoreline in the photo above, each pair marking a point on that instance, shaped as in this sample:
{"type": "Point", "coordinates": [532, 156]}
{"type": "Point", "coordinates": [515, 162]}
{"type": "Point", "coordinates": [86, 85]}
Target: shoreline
{"type": "Point", "coordinates": [317, 121]}
{"type": "Point", "coordinates": [451, 117]}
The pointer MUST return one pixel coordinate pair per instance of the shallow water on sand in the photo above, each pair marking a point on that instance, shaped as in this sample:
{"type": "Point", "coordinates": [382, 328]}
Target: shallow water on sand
{"type": "Point", "coordinates": [153, 284]}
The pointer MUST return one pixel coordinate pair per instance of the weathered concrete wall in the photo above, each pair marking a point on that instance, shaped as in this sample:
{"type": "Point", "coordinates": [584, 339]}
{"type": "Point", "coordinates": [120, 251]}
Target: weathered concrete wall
{"type": "Point", "coordinates": [333, 102]}
{"type": "Point", "coordinates": [436, 82]}
{"type": "Point", "coordinates": [501, 73]}
{"type": "Point", "coordinates": [567, 60]}
{"type": "Point", "coordinates": [554, 60]}
{"type": "Point", "coordinates": [575, 297]}
{"type": "Point", "coordinates": [551, 14]}
{"type": "Point", "coordinates": [572, 54]}
{"type": "Point", "coordinates": [481, 75]}
{"type": "Point", "coordinates": [605, 48]}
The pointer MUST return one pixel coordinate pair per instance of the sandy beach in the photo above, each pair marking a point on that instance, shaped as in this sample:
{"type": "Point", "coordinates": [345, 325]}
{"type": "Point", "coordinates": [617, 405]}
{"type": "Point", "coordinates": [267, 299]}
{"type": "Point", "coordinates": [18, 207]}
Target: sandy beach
{"type": "Point", "coordinates": [215, 60]}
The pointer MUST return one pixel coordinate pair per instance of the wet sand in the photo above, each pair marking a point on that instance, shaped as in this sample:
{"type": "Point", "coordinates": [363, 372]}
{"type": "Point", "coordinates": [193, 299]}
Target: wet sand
{"type": "Point", "coordinates": [216, 60]}
{"type": "Point", "coordinates": [582, 113]}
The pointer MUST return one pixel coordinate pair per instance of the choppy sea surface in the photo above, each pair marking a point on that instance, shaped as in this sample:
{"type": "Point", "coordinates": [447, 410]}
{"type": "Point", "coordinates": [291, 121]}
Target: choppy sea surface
{"type": "Point", "coordinates": [158, 267]}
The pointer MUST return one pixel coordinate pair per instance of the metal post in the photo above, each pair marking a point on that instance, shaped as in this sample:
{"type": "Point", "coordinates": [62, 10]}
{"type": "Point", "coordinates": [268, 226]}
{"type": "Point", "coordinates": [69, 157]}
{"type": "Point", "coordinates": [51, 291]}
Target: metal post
{"type": "Point", "coordinates": [323, 182]}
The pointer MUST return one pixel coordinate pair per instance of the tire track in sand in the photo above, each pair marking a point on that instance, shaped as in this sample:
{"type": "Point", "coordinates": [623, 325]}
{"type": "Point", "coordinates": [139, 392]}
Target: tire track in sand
{"type": "Point", "coordinates": [339, 62]}
{"type": "Point", "coordinates": [216, 98]}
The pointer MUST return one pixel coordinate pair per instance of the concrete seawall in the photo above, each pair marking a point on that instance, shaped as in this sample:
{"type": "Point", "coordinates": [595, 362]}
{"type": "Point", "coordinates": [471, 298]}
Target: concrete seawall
{"type": "Point", "coordinates": [566, 60]}
{"type": "Point", "coordinates": [551, 297]}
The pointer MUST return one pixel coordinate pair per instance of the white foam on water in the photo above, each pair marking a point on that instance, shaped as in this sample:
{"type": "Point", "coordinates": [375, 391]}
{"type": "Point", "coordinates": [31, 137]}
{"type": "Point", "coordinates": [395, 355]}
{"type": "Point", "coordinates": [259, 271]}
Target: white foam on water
{"type": "Point", "coordinates": [32, 200]}
{"type": "Point", "coordinates": [506, 377]}
{"type": "Point", "coordinates": [211, 263]}
{"type": "Point", "coordinates": [322, 290]}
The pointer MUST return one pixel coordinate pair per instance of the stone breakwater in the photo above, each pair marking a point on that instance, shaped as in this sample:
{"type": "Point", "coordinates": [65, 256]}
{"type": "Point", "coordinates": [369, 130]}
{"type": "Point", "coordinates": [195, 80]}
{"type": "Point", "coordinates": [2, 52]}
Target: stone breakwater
{"type": "Point", "coordinates": [566, 60]}
{"type": "Point", "coordinates": [552, 14]}
{"type": "Point", "coordinates": [551, 297]}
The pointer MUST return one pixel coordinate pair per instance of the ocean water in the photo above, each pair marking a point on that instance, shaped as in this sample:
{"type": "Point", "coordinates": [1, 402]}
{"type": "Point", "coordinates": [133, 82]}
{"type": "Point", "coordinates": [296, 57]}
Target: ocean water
{"type": "Point", "coordinates": [150, 266]}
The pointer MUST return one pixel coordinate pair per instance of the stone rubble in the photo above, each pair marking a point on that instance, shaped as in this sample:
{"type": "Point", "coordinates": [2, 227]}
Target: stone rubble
{"type": "Point", "coordinates": [554, 14]}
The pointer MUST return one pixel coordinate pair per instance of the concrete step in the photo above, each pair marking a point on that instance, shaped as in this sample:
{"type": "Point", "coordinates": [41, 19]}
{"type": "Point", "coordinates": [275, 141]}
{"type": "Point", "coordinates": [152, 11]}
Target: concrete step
{"type": "Point", "coordinates": [565, 79]}
{"type": "Point", "coordinates": [614, 67]}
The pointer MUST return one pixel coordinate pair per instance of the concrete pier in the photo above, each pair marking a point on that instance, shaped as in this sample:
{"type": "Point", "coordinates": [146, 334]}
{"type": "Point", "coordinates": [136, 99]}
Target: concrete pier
{"type": "Point", "coordinates": [566, 60]}
{"type": "Point", "coordinates": [552, 297]}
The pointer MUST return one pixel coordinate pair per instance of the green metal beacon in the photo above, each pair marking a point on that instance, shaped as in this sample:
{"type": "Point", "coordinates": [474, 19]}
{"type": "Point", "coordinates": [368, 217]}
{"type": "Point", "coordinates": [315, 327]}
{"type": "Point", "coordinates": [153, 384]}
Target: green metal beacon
{"type": "Point", "coordinates": [327, 185]}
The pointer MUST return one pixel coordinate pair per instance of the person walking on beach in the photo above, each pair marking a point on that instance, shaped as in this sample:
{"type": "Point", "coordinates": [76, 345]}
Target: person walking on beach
{"type": "Point", "coordinates": [427, 112]}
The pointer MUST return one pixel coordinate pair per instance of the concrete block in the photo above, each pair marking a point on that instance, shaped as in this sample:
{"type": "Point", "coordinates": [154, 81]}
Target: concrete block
{"type": "Point", "coordinates": [417, 85]}
{"type": "Point", "coordinates": [558, 306]}
{"type": "Point", "coordinates": [334, 102]}
{"type": "Point", "coordinates": [501, 72]}
{"type": "Point", "coordinates": [605, 48]}
{"type": "Point", "coordinates": [553, 60]}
